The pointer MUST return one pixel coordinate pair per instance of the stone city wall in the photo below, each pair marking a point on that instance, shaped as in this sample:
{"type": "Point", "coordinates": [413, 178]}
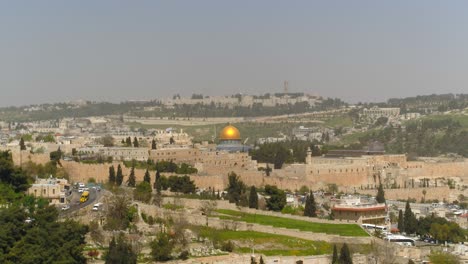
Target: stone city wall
{"type": "Point", "coordinates": [432, 193]}
{"type": "Point", "coordinates": [440, 169]}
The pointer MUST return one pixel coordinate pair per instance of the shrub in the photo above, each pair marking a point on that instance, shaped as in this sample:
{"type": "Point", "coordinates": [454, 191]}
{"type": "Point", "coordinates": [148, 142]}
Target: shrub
{"type": "Point", "coordinates": [227, 246]}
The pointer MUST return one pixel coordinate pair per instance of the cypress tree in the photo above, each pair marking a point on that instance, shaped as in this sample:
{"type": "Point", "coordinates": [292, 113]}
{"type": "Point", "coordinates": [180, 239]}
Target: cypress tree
{"type": "Point", "coordinates": [131, 178]}
{"type": "Point", "coordinates": [409, 219]}
{"type": "Point", "coordinates": [153, 144]}
{"type": "Point", "coordinates": [112, 175]}
{"type": "Point", "coordinates": [128, 142]}
{"type": "Point", "coordinates": [22, 145]}
{"type": "Point", "coordinates": [135, 142]}
{"type": "Point", "coordinates": [345, 255]}
{"type": "Point", "coordinates": [380, 194]}
{"type": "Point", "coordinates": [261, 260]}
{"type": "Point", "coordinates": [401, 226]}
{"type": "Point", "coordinates": [147, 177]}
{"type": "Point", "coordinates": [253, 198]}
{"type": "Point", "coordinates": [157, 182]}
{"type": "Point", "coordinates": [310, 206]}
{"type": "Point", "coordinates": [335, 255]}
{"type": "Point", "coordinates": [111, 253]}
{"type": "Point", "coordinates": [119, 177]}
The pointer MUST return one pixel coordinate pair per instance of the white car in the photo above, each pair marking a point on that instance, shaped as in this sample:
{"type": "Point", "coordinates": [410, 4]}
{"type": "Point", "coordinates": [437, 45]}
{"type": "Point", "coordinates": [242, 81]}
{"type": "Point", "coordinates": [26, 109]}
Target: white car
{"type": "Point", "coordinates": [96, 206]}
{"type": "Point", "coordinates": [65, 207]}
{"type": "Point", "coordinates": [29, 220]}
{"type": "Point", "coordinates": [81, 185]}
{"type": "Point", "coordinates": [80, 190]}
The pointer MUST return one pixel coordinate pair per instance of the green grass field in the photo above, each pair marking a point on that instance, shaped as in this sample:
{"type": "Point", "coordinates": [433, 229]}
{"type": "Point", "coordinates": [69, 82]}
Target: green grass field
{"type": "Point", "coordinates": [339, 121]}
{"type": "Point", "coordinates": [332, 229]}
{"type": "Point", "coordinates": [269, 244]}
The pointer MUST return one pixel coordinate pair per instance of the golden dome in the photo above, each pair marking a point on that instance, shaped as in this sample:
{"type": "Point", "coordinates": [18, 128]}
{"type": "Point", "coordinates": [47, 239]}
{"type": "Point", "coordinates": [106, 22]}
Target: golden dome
{"type": "Point", "coordinates": [229, 133]}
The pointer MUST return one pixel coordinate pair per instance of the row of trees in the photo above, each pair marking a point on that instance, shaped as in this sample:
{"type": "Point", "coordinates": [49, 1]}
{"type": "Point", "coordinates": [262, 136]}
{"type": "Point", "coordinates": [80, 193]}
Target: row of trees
{"type": "Point", "coordinates": [237, 193]}
{"type": "Point", "coordinates": [128, 142]}
{"type": "Point", "coordinates": [279, 153]}
{"type": "Point", "coordinates": [161, 166]}
{"type": "Point", "coordinates": [437, 227]}
{"type": "Point", "coordinates": [345, 255]}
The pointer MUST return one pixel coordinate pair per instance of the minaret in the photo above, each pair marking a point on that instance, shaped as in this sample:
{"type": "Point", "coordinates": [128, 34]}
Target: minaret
{"type": "Point", "coordinates": [309, 156]}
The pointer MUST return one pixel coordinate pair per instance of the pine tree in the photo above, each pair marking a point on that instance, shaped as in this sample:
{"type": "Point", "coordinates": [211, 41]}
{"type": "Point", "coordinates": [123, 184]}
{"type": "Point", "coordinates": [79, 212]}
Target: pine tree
{"type": "Point", "coordinates": [131, 178]}
{"type": "Point", "coordinates": [345, 255]}
{"type": "Point", "coordinates": [157, 182]}
{"type": "Point", "coordinates": [267, 170]}
{"type": "Point", "coordinates": [310, 206]}
{"type": "Point", "coordinates": [123, 141]}
{"type": "Point", "coordinates": [128, 142]}
{"type": "Point", "coordinates": [119, 177]}
{"type": "Point", "coordinates": [409, 219]}
{"type": "Point", "coordinates": [112, 178]}
{"type": "Point", "coordinates": [112, 249]}
{"type": "Point", "coordinates": [147, 177]}
{"type": "Point", "coordinates": [22, 145]}
{"type": "Point", "coordinates": [135, 142]}
{"type": "Point", "coordinates": [380, 194]}
{"type": "Point", "coordinates": [253, 198]}
{"type": "Point", "coordinates": [335, 255]}
{"type": "Point", "coordinates": [153, 144]}
{"type": "Point", "coordinates": [261, 260]}
{"type": "Point", "coordinates": [401, 226]}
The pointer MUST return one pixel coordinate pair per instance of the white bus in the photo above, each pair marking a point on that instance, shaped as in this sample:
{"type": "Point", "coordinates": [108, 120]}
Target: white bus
{"type": "Point", "coordinates": [401, 240]}
{"type": "Point", "coordinates": [375, 227]}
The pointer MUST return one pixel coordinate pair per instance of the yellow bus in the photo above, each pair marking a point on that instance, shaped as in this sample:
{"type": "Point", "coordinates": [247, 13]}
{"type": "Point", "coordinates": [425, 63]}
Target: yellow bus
{"type": "Point", "coordinates": [84, 197]}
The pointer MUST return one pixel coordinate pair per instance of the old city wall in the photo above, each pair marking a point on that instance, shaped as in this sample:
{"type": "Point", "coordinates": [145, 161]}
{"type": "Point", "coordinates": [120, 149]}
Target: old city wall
{"type": "Point", "coordinates": [21, 157]}
{"type": "Point", "coordinates": [432, 193]}
{"type": "Point", "coordinates": [79, 172]}
{"type": "Point", "coordinates": [438, 169]}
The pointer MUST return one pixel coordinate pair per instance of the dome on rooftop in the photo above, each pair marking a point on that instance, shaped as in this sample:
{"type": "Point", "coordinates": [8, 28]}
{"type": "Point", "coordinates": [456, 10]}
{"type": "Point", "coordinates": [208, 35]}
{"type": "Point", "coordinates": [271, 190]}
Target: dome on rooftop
{"type": "Point", "coordinates": [229, 133]}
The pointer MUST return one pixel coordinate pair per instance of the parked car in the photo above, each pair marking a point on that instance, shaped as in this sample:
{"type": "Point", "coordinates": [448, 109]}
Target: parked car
{"type": "Point", "coordinates": [65, 207]}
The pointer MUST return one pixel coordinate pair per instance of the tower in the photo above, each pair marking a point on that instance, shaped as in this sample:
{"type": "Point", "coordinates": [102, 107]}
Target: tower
{"type": "Point", "coordinates": [286, 87]}
{"type": "Point", "coordinates": [309, 156]}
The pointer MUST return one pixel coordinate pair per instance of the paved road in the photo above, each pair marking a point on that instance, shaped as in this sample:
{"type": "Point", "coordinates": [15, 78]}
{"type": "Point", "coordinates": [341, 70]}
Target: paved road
{"type": "Point", "coordinates": [75, 200]}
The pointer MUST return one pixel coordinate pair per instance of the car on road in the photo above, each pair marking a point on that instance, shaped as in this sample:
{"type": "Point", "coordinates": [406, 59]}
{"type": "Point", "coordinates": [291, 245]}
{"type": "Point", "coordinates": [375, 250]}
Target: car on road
{"type": "Point", "coordinates": [65, 207]}
{"type": "Point", "coordinates": [80, 190]}
{"type": "Point", "coordinates": [81, 185]}
{"type": "Point", "coordinates": [96, 206]}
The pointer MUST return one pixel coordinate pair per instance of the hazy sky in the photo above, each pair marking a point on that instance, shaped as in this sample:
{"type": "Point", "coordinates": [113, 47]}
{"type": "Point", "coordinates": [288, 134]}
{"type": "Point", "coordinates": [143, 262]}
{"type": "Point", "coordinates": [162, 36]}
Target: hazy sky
{"type": "Point", "coordinates": [116, 50]}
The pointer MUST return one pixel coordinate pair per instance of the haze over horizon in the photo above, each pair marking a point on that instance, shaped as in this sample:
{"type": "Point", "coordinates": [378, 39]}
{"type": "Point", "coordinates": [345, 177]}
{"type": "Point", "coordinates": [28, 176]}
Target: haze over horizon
{"type": "Point", "coordinates": [59, 51]}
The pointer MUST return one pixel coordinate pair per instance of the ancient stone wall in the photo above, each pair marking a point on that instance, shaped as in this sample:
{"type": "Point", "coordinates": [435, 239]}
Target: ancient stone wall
{"type": "Point", "coordinates": [432, 193]}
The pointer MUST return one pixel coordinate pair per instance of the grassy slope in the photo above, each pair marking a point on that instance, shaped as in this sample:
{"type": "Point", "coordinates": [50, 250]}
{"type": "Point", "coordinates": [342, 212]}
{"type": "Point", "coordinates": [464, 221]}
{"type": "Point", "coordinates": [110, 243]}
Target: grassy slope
{"type": "Point", "coordinates": [274, 245]}
{"type": "Point", "coordinates": [333, 229]}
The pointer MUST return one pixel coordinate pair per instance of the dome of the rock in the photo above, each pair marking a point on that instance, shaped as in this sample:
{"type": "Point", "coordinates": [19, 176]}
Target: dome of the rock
{"type": "Point", "coordinates": [229, 133]}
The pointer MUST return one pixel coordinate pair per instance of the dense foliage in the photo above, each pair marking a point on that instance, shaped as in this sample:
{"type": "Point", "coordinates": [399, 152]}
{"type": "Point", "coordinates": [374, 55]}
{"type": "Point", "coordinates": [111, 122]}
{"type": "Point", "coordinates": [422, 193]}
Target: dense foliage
{"type": "Point", "coordinates": [310, 208]}
{"type": "Point", "coordinates": [162, 166]}
{"type": "Point", "coordinates": [120, 252]}
{"type": "Point", "coordinates": [279, 153]}
{"type": "Point", "coordinates": [426, 137]}
{"type": "Point", "coordinates": [277, 198]}
{"type": "Point", "coordinates": [29, 230]}
{"type": "Point", "coordinates": [235, 189]}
